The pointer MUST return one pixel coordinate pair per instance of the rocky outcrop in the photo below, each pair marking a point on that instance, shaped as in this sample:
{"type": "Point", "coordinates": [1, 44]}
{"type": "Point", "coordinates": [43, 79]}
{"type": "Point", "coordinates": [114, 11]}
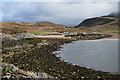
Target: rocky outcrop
{"type": "Point", "coordinates": [7, 37]}
{"type": "Point", "coordinates": [24, 36]}
{"type": "Point", "coordinates": [10, 71]}
{"type": "Point", "coordinates": [89, 36]}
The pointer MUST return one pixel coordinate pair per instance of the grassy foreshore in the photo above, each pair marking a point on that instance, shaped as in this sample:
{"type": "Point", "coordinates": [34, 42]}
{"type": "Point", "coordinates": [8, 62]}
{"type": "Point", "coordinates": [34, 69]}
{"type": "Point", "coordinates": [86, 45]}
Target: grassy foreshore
{"type": "Point", "coordinates": [37, 56]}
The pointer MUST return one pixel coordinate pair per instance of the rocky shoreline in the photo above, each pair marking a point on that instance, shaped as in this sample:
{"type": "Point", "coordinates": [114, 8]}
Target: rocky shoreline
{"type": "Point", "coordinates": [89, 36]}
{"type": "Point", "coordinates": [35, 55]}
{"type": "Point", "coordinates": [10, 71]}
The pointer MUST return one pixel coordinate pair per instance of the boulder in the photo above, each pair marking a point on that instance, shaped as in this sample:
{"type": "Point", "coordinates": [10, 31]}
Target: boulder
{"type": "Point", "coordinates": [24, 36]}
{"type": "Point", "coordinates": [6, 37]}
{"type": "Point", "coordinates": [9, 69]}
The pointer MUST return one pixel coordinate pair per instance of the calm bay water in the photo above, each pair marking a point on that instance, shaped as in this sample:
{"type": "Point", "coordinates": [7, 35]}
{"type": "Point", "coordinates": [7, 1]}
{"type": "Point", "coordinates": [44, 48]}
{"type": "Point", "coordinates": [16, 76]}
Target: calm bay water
{"type": "Point", "coordinates": [96, 54]}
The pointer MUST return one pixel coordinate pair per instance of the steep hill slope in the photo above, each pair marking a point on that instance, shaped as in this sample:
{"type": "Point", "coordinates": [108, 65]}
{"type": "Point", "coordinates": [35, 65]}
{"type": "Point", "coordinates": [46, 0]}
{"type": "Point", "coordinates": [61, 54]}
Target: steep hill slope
{"type": "Point", "coordinates": [114, 14]}
{"type": "Point", "coordinates": [96, 21]}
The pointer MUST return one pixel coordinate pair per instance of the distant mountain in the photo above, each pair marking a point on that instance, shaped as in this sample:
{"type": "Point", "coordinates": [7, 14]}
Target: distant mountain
{"type": "Point", "coordinates": [47, 24]}
{"type": "Point", "coordinates": [114, 14]}
{"type": "Point", "coordinates": [99, 20]}
{"type": "Point", "coordinates": [96, 21]}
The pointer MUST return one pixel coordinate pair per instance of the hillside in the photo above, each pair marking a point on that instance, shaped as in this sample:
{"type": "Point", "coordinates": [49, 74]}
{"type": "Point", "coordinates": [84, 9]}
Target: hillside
{"type": "Point", "coordinates": [114, 14]}
{"type": "Point", "coordinates": [39, 27]}
{"type": "Point", "coordinates": [106, 24]}
{"type": "Point", "coordinates": [13, 27]}
{"type": "Point", "coordinates": [47, 24]}
{"type": "Point", "coordinates": [96, 21]}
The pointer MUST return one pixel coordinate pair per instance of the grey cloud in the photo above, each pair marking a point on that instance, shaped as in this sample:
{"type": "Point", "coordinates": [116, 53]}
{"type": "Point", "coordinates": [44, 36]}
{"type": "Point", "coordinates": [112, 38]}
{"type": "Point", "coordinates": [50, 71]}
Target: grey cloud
{"type": "Point", "coordinates": [61, 13]}
{"type": "Point", "coordinates": [63, 1]}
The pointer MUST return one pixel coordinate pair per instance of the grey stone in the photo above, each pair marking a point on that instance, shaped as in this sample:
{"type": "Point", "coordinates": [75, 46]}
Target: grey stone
{"type": "Point", "coordinates": [25, 35]}
{"type": "Point", "coordinates": [7, 37]}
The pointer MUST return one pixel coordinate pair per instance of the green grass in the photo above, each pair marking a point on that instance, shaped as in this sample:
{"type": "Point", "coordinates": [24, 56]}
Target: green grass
{"type": "Point", "coordinates": [13, 36]}
{"type": "Point", "coordinates": [43, 32]}
{"type": "Point", "coordinates": [80, 32]}
{"type": "Point", "coordinates": [115, 31]}
{"type": "Point", "coordinates": [82, 27]}
{"type": "Point", "coordinates": [98, 32]}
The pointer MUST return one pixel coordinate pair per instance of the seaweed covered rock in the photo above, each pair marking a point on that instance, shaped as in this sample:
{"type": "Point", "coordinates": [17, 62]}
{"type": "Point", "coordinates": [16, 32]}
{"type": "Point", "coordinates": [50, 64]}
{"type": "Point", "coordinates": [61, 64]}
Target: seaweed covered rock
{"type": "Point", "coordinates": [37, 56]}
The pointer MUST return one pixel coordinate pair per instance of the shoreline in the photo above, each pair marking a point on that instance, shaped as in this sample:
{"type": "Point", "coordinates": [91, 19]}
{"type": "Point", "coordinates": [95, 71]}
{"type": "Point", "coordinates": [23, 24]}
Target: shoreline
{"type": "Point", "coordinates": [54, 45]}
{"type": "Point", "coordinates": [102, 39]}
{"type": "Point", "coordinates": [69, 59]}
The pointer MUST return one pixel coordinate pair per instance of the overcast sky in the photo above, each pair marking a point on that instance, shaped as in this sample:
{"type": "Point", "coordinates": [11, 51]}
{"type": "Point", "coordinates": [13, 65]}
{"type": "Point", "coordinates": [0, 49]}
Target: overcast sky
{"type": "Point", "coordinates": [66, 12]}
